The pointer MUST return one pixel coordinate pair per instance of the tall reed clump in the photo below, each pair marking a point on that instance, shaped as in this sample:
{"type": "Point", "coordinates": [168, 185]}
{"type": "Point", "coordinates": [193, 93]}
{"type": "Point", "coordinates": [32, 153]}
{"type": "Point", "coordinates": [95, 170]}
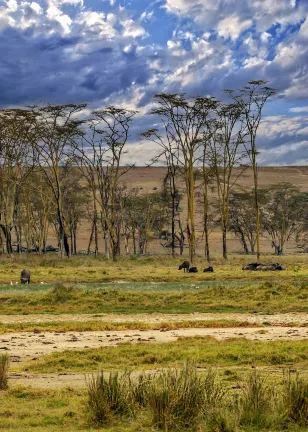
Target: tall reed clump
{"type": "Point", "coordinates": [4, 371]}
{"type": "Point", "coordinates": [108, 396]}
{"type": "Point", "coordinates": [295, 398]}
{"type": "Point", "coordinates": [259, 402]}
{"type": "Point", "coordinates": [180, 399]}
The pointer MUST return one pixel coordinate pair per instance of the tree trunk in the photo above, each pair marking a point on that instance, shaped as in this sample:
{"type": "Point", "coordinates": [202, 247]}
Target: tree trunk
{"type": "Point", "coordinates": [8, 239]}
{"type": "Point", "coordinates": [224, 243]}
{"type": "Point", "coordinates": [207, 245]}
{"type": "Point", "coordinates": [134, 241]}
{"type": "Point", "coordinates": [257, 208]}
{"type": "Point", "coordinates": [244, 244]}
{"type": "Point", "coordinates": [75, 241]}
{"type": "Point", "coordinates": [91, 238]}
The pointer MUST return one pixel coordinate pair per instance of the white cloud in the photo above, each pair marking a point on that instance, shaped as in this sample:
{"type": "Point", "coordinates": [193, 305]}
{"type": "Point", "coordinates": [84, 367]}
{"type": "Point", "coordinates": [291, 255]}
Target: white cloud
{"type": "Point", "coordinates": [133, 29]}
{"type": "Point", "coordinates": [304, 29]}
{"type": "Point", "coordinates": [299, 109]}
{"type": "Point", "coordinates": [37, 8]}
{"type": "Point", "coordinates": [232, 27]}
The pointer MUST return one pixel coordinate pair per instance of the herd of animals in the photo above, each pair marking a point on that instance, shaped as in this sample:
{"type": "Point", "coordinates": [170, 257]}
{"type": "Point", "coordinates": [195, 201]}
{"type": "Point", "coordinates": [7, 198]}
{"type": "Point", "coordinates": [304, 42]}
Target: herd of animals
{"type": "Point", "coordinates": [26, 275]}
{"type": "Point", "coordinates": [253, 267]}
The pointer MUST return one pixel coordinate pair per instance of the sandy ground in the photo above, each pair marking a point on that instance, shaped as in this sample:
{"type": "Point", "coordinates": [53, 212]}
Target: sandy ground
{"type": "Point", "coordinates": [276, 319]}
{"type": "Point", "coordinates": [26, 346]}
{"type": "Point", "coordinates": [30, 346]}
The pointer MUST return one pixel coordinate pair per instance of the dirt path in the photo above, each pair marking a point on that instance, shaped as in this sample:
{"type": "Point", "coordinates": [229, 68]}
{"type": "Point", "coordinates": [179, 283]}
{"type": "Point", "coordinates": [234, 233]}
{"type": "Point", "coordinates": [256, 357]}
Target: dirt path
{"type": "Point", "coordinates": [26, 346]}
{"type": "Point", "coordinates": [275, 319]}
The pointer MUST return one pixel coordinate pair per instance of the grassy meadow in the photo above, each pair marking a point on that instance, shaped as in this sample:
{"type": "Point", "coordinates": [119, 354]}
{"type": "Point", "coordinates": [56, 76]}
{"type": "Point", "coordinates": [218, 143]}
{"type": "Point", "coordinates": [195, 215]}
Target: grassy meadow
{"type": "Point", "coordinates": [50, 269]}
{"type": "Point", "coordinates": [132, 286]}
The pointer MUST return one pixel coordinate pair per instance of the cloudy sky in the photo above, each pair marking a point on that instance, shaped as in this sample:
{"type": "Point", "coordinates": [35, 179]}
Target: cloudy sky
{"type": "Point", "coordinates": [123, 51]}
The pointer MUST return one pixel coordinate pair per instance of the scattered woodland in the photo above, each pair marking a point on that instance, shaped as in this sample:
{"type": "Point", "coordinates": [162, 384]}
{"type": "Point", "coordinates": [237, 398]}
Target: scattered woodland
{"type": "Point", "coordinates": [61, 168]}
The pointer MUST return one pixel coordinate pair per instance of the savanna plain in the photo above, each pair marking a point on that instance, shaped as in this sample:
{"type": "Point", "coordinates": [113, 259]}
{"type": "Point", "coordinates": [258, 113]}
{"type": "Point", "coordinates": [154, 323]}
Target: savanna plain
{"type": "Point", "coordinates": [138, 345]}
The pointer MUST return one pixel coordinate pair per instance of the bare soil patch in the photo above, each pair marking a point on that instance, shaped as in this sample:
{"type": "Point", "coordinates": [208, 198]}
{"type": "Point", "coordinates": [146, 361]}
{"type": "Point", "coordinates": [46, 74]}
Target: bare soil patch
{"type": "Point", "coordinates": [26, 346]}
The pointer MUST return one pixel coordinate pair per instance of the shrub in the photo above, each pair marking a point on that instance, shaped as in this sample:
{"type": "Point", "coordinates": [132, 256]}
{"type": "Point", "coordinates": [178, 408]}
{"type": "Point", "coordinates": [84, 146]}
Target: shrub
{"type": "Point", "coordinates": [61, 293]}
{"type": "Point", "coordinates": [177, 398]}
{"type": "Point", "coordinates": [4, 371]}
{"type": "Point", "coordinates": [109, 396]}
{"type": "Point", "coordinates": [295, 399]}
{"type": "Point", "coordinates": [257, 402]}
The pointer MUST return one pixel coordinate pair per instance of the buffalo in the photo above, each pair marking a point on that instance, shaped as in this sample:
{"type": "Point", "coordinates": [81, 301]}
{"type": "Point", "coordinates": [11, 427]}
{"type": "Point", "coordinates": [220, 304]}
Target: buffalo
{"type": "Point", "coordinates": [269, 267]}
{"type": "Point", "coordinates": [25, 276]}
{"type": "Point", "coordinates": [185, 266]}
{"type": "Point", "coordinates": [252, 266]}
{"type": "Point", "coordinates": [208, 270]}
{"type": "Point", "coordinates": [193, 270]}
{"type": "Point", "coordinates": [263, 267]}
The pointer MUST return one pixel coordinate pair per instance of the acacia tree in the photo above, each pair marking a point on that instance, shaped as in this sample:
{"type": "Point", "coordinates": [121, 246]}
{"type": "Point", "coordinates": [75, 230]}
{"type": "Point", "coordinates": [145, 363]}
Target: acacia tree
{"type": "Point", "coordinates": [184, 123]}
{"type": "Point", "coordinates": [57, 127]}
{"type": "Point", "coordinates": [224, 153]}
{"type": "Point", "coordinates": [169, 153]}
{"type": "Point", "coordinates": [143, 215]}
{"type": "Point", "coordinates": [16, 162]}
{"type": "Point", "coordinates": [251, 100]}
{"type": "Point", "coordinates": [284, 209]}
{"type": "Point", "coordinates": [241, 219]}
{"type": "Point", "coordinates": [99, 156]}
{"type": "Point", "coordinates": [37, 210]}
{"type": "Point", "coordinates": [75, 199]}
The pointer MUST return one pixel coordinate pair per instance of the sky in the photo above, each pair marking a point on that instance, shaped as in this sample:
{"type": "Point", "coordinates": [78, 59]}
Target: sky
{"type": "Point", "coordinates": [122, 52]}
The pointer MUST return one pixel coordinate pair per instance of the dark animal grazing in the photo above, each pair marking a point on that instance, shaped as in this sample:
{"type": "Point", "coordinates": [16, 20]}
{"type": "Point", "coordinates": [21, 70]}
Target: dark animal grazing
{"type": "Point", "coordinates": [208, 270]}
{"type": "Point", "coordinates": [193, 270]}
{"type": "Point", "coordinates": [252, 266]}
{"type": "Point", "coordinates": [263, 267]}
{"type": "Point", "coordinates": [25, 276]}
{"type": "Point", "coordinates": [269, 267]}
{"type": "Point", "coordinates": [185, 266]}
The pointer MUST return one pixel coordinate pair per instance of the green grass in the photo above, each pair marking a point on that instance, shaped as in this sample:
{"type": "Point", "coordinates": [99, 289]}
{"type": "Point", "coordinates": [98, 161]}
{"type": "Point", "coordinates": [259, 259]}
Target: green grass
{"type": "Point", "coordinates": [76, 326]}
{"type": "Point", "coordinates": [82, 269]}
{"type": "Point", "coordinates": [267, 297]}
{"type": "Point", "coordinates": [32, 410]}
{"type": "Point", "coordinates": [205, 351]}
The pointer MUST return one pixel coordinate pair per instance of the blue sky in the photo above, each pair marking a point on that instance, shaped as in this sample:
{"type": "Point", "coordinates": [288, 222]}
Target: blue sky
{"type": "Point", "coordinates": [122, 52]}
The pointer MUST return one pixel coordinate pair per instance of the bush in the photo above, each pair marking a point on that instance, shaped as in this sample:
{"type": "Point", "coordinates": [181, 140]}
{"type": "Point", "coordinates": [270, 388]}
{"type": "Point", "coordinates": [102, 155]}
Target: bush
{"type": "Point", "coordinates": [178, 398]}
{"type": "Point", "coordinates": [61, 293]}
{"type": "Point", "coordinates": [109, 396]}
{"type": "Point", "coordinates": [257, 403]}
{"type": "Point", "coordinates": [296, 399]}
{"type": "Point", "coordinates": [4, 371]}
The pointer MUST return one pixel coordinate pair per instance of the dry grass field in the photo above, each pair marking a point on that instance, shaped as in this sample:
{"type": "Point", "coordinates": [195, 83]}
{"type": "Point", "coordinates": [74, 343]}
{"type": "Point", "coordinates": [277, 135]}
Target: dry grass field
{"type": "Point", "coordinates": [245, 333]}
